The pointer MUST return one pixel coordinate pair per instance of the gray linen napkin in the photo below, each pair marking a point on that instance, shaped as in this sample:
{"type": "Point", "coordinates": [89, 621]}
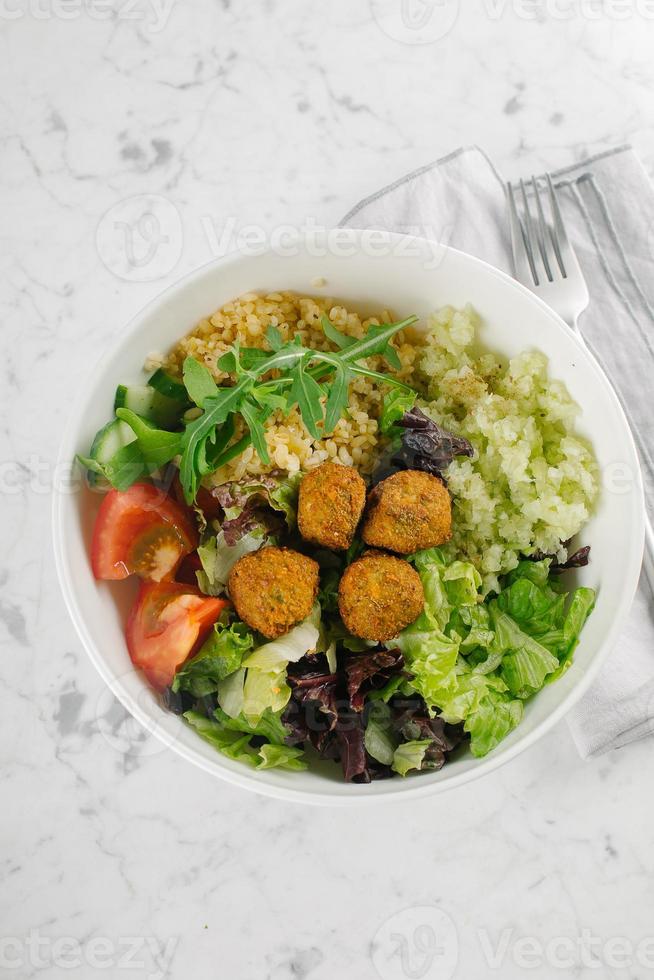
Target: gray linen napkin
{"type": "Point", "coordinates": [608, 208]}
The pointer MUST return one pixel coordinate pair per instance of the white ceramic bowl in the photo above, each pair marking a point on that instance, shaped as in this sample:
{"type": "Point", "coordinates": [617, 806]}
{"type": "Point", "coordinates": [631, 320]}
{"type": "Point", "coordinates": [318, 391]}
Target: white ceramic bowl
{"type": "Point", "coordinates": [369, 271]}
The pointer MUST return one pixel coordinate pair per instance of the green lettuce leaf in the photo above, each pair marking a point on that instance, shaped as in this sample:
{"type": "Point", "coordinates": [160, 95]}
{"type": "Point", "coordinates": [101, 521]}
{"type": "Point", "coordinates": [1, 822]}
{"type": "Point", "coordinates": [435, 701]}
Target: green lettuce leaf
{"type": "Point", "coordinates": [220, 655]}
{"type": "Point", "coordinates": [231, 695]}
{"type": "Point", "coordinates": [491, 721]}
{"type": "Point", "coordinates": [218, 559]}
{"type": "Point", "coordinates": [290, 647]}
{"type": "Point", "coordinates": [264, 689]}
{"type": "Point", "coordinates": [396, 402]}
{"type": "Point", "coordinates": [269, 726]}
{"type": "Point", "coordinates": [284, 498]}
{"type": "Point", "coordinates": [410, 755]}
{"type": "Point", "coordinates": [236, 745]}
{"type": "Point", "coordinates": [282, 757]}
{"type": "Point", "coordinates": [260, 683]}
{"type": "Point", "coordinates": [379, 739]}
{"type": "Point", "coordinates": [462, 582]}
{"type": "Point", "coordinates": [525, 662]}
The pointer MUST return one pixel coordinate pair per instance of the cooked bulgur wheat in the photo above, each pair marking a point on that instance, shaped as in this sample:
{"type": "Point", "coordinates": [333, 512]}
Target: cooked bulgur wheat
{"type": "Point", "coordinates": [532, 483]}
{"type": "Point", "coordinates": [355, 439]}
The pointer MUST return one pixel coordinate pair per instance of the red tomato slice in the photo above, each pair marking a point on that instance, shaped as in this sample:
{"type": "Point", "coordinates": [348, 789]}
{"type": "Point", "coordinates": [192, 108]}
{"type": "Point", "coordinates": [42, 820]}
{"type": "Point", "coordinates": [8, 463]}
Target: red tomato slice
{"type": "Point", "coordinates": [142, 531]}
{"type": "Point", "coordinates": [166, 624]}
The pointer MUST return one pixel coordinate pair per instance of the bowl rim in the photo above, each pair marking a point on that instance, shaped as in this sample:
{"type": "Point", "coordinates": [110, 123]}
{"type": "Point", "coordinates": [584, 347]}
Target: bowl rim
{"type": "Point", "coordinates": [357, 794]}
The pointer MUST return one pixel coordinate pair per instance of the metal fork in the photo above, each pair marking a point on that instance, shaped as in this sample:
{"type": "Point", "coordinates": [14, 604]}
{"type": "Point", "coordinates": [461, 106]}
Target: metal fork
{"type": "Point", "coordinates": [545, 262]}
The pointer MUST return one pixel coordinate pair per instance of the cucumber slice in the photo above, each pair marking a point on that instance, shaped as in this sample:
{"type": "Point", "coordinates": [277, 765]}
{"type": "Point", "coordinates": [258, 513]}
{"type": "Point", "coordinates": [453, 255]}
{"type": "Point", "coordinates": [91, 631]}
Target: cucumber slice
{"type": "Point", "coordinates": [111, 437]}
{"type": "Point", "coordinates": [138, 398]}
{"type": "Point", "coordinates": [171, 387]}
{"type": "Point", "coordinates": [150, 404]}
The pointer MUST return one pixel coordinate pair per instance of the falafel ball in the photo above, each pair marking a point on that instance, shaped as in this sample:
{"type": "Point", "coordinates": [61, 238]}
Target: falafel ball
{"type": "Point", "coordinates": [407, 512]}
{"type": "Point", "coordinates": [274, 589]}
{"type": "Point", "coordinates": [378, 596]}
{"type": "Point", "coordinates": [330, 505]}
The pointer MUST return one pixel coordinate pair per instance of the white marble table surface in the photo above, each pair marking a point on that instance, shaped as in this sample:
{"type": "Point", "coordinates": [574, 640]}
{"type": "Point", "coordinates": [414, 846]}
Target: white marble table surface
{"type": "Point", "coordinates": [118, 859]}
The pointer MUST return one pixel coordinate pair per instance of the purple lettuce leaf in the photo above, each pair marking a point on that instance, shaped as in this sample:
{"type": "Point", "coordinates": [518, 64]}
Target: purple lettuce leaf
{"type": "Point", "coordinates": [367, 671]}
{"type": "Point", "coordinates": [425, 445]}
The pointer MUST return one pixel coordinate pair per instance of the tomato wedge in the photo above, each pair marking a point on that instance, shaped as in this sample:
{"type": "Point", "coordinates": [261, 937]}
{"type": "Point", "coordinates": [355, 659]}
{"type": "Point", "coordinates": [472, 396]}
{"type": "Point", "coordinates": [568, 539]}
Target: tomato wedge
{"type": "Point", "coordinates": [166, 624]}
{"type": "Point", "coordinates": [141, 531]}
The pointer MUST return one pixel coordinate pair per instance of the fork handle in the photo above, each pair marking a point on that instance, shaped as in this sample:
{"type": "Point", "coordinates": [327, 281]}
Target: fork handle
{"type": "Point", "coordinates": [648, 552]}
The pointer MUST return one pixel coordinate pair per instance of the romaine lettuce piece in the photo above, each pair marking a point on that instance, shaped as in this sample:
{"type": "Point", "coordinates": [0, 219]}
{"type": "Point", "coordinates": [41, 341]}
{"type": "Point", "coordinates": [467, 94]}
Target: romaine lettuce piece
{"type": "Point", "coordinates": [410, 755]}
{"type": "Point", "coordinates": [281, 757]}
{"type": "Point", "coordinates": [220, 655]}
{"type": "Point", "coordinates": [236, 745]}
{"type": "Point", "coordinates": [218, 558]}
{"type": "Point", "coordinates": [231, 696]}
{"type": "Point", "coordinates": [525, 662]}
{"type": "Point", "coordinates": [495, 716]}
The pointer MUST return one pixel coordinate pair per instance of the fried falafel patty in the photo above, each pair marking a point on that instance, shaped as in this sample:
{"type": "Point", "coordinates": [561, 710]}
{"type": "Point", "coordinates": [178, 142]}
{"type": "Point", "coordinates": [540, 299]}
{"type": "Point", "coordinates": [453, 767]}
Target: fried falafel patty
{"type": "Point", "coordinates": [330, 505]}
{"type": "Point", "coordinates": [274, 589]}
{"type": "Point", "coordinates": [407, 512]}
{"type": "Point", "coordinates": [378, 596]}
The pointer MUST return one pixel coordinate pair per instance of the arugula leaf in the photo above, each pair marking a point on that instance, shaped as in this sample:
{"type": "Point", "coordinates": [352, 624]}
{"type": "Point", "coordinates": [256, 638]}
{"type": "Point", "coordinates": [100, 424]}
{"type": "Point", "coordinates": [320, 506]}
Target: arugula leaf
{"type": "Point", "coordinates": [274, 337]}
{"type": "Point", "coordinates": [290, 374]}
{"type": "Point", "coordinates": [253, 419]}
{"type": "Point", "coordinates": [124, 468]}
{"type": "Point", "coordinates": [198, 381]}
{"type": "Point", "coordinates": [340, 339]}
{"type": "Point", "coordinates": [337, 398]}
{"type": "Point", "coordinates": [306, 394]}
{"type": "Point", "coordinates": [376, 340]}
{"type": "Point", "coordinates": [216, 411]}
{"type": "Point", "coordinates": [157, 446]}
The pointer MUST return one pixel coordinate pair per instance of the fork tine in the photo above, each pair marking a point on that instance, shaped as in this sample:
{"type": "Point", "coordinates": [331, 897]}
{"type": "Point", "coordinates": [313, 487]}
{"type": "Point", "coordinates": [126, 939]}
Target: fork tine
{"type": "Point", "coordinates": [541, 229]}
{"type": "Point", "coordinates": [522, 259]}
{"type": "Point", "coordinates": [558, 233]}
{"type": "Point", "coordinates": [531, 235]}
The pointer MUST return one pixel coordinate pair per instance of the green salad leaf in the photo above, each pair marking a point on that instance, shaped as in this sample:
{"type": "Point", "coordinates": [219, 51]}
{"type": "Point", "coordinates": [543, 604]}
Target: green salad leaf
{"type": "Point", "coordinates": [218, 558]}
{"type": "Point", "coordinates": [199, 382]}
{"type": "Point", "coordinates": [124, 468]}
{"type": "Point", "coordinates": [410, 755]}
{"type": "Point", "coordinates": [379, 739]}
{"type": "Point", "coordinates": [477, 662]}
{"type": "Point", "coordinates": [259, 684]}
{"type": "Point", "coordinates": [269, 726]}
{"type": "Point", "coordinates": [236, 745]}
{"type": "Point", "coordinates": [157, 446]}
{"type": "Point", "coordinates": [220, 655]}
{"type": "Point", "coordinates": [396, 402]}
